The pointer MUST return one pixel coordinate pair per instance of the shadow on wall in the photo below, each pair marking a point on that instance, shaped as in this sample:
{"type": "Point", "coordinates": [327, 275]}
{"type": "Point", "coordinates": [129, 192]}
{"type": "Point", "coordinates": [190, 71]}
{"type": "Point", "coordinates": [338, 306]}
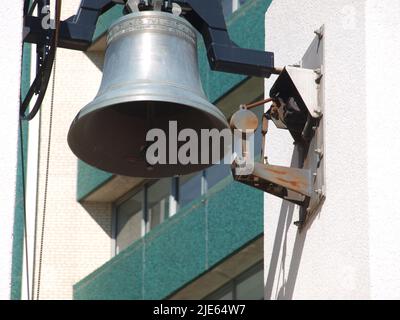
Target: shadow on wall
{"type": "Point", "coordinates": [97, 58]}
{"type": "Point", "coordinates": [280, 283]}
{"type": "Point", "coordinates": [101, 213]}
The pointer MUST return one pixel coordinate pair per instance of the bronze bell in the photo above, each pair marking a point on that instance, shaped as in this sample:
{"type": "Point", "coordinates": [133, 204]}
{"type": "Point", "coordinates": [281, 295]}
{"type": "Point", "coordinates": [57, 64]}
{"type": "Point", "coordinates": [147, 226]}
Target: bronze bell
{"type": "Point", "coordinates": [150, 77]}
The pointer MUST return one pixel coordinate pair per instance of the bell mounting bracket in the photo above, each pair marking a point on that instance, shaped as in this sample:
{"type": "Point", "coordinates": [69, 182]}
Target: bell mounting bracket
{"type": "Point", "coordinates": [298, 106]}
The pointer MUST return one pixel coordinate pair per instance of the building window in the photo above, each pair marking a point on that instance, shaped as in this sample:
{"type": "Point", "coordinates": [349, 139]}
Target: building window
{"type": "Point", "coordinates": [129, 215]}
{"type": "Point", "coordinates": [230, 6]}
{"type": "Point", "coordinates": [190, 188]}
{"type": "Point", "coordinates": [216, 173]}
{"type": "Point", "coordinates": [158, 202]}
{"type": "Point", "coordinates": [142, 210]}
{"type": "Point", "coordinates": [247, 286]}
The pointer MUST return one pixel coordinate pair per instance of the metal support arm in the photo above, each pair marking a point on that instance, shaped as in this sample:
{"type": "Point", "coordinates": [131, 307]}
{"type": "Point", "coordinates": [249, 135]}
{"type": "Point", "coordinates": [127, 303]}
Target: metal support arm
{"type": "Point", "coordinates": [223, 54]}
{"type": "Point", "coordinates": [77, 31]}
{"type": "Point", "coordinates": [205, 15]}
{"type": "Point", "coordinates": [297, 98]}
{"type": "Point", "coordinates": [292, 184]}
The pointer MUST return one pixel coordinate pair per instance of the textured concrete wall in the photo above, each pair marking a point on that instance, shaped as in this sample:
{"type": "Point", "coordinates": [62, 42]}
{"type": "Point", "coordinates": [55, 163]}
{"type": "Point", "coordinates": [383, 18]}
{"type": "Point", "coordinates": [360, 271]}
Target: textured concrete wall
{"type": "Point", "coordinates": [330, 259]}
{"type": "Point", "coordinates": [351, 249]}
{"type": "Point", "coordinates": [383, 94]}
{"type": "Point", "coordinates": [10, 62]}
{"type": "Point", "coordinates": [77, 237]}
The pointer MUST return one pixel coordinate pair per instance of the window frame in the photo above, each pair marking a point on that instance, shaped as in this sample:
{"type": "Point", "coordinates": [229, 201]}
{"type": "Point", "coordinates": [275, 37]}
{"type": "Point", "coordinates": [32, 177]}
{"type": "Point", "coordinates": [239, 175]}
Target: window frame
{"type": "Point", "coordinates": [114, 220]}
{"type": "Point", "coordinates": [235, 5]}
{"type": "Point", "coordinates": [232, 285]}
{"type": "Point", "coordinates": [145, 219]}
{"type": "Point", "coordinates": [174, 206]}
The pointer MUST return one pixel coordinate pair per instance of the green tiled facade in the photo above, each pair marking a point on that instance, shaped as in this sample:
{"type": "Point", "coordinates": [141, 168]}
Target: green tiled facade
{"type": "Point", "coordinates": [19, 219]}
{"type": "Point", "coordinates": [182, 248]}
{"type": "Point", "coordinates": [90, 179]}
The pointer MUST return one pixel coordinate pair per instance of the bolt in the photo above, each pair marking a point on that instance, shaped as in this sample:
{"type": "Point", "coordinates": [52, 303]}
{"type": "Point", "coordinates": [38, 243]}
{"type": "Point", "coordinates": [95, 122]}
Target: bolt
{"type": "Point", "coordinates": [315, 174]}
{"type": "Point", "coordinates": [319, 34]}
{"type": "Point", "coordinates": [274, 112]}
{"type": "Point", "coordinates": [318, 112]}
{"type": "Point", "coordinates": [319, 152]}
{"type": "Point", "coordinates": [317, 71]}
{"type": "Point", "coordinates": [320, 193]}
{"type": "Point", "coordinates": [318, 80]}
{"type": "Point", "coordinates": [297, 223]}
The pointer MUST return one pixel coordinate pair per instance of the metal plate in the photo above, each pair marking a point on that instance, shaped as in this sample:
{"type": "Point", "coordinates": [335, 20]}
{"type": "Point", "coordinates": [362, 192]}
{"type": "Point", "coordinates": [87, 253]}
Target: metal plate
{"type": "Point", "coordinates": [315, 157]}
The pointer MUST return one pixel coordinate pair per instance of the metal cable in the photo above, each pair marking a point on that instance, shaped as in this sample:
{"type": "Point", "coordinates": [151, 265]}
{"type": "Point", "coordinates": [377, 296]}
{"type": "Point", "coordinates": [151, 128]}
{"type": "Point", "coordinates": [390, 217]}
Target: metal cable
{"type": "Point", "coordinates": [258, 103]}
{"type": "Point", "coordinates": [35, 236]}
{"type": "Point", "coordinates": [58, 13]}
{"type": "Point", "coordinates": [32, 8]}
{"type": "Point", "coordinates": [46, 184]}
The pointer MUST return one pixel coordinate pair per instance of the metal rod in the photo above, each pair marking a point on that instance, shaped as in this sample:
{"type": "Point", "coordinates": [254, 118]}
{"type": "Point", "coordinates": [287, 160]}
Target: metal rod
{"type": "Point", "coordinates": [264, 132]}
{"type": "Point", "coordinates": [258, 103]}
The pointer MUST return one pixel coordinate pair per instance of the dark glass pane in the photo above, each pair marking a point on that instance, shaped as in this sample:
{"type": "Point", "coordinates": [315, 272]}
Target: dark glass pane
{"type": "Point", "coordinates": [158, 196]}
{"type": "Point", "coordinates": [251, 288]}
{"type": "Point", "coordinates": [129, 221]}
{"type": "Point", "coordinates": [227, 7]}
{"type": "Point", "coordinates": [227, 296]}
{"type": "Point", "coordinates": [189, 189]}
{"type": "Point", "coordinates": [217, 173]}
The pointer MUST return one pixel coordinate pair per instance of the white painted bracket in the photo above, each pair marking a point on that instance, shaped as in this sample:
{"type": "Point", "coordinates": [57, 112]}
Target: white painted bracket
{"type": "Point", "coordinates": [305, 83]}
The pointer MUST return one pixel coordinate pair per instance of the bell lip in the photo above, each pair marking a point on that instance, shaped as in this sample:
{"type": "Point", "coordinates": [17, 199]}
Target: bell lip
{"type": "Point", "coordinates": [151, 13]}
{"type": "Point", "coordinates": [100, 103]}
{"type": "Point", "coordinates": [189, 168]}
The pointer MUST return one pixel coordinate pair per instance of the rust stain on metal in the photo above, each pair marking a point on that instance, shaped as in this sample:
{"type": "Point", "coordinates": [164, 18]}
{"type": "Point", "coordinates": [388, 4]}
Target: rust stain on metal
{"type": "Point", "coordinates": [295, 184]}
{"type": "Point", "coordinates": [278, 171]}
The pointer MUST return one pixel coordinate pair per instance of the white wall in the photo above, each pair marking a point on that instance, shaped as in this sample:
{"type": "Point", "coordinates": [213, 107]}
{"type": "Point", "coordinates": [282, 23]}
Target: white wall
{"type": "Point", "coordinates": [351, 249]}
{"type": "Point", "coordinates": [10, 62]}
{"type": "Point", "coordinates": [383, 95]}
